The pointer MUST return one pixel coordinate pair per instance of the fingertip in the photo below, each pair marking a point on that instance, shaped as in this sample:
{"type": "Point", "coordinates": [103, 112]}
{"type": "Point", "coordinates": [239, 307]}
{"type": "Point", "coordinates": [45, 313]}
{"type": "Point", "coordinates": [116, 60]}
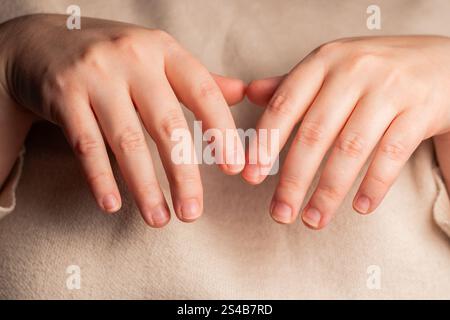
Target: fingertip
{"type": "Point", "coordinates": [110, 203]}
{"type": "Point", "coordinates": [261, 91]}
{"type": "Point", "coordinates": [281, 212]}
{"type": "Point", "coordinates": [362, 204]}
{"type": "Point", "coordinates": [236, 90]}
{"type": "Point", "coordinates": [255, 94]}
{"type": "Point", "coordinates": [312, 218]}
{"type": "Point", "coordinates": [157, 225]}
{"type": "Point", "coordinates": [252, 179]}
{"type": "Point", "coordinates": [233, 89]}
{"type": "Point", "coordinates": [232, 169]}
{"type": "Point", "coordinates": [156, 217]}
{"type": "Point", "coordinates": [189, 210]}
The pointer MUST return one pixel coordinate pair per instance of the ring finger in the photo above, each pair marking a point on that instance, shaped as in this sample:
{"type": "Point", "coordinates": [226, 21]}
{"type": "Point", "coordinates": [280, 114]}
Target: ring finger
{"type": "Point", "coordinates": [120, 124]}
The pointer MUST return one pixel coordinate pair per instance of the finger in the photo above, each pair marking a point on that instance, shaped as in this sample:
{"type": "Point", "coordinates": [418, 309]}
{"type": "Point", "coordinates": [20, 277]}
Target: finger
{"type": "Point", "coordinates": [316, 134]}
{"type": "Point", "coordinates": [122, 128]}
{"type": "Point", "coordinates": [198, 91]}
{"type": "Point", "coordinates": [290, 101]}
{"type": "Point", "coordinates": [232, 89]}
{"type": "Point", "coordinates": [393, 152]}
{"type": "Point", "coordinates": [261, 91]}
{"type": "Point", "coordinates": [442, 147]}
{"type": "Point", "coordinates": [352, 148]}
{"type": "Point", "coordinates": [84, 135]}
{"type": "Point", "coordinates": [162, 115]}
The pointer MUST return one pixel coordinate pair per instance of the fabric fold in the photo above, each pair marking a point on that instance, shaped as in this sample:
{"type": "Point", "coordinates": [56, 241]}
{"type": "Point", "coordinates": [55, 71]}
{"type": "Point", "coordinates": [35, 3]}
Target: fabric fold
{"type": "Point", "coordinates": [8, 190]}
{"type": "Point", "coordinates": [441, 207]}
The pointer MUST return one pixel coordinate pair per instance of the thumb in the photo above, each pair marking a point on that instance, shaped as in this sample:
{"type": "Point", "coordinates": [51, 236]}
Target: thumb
{"type": "Point", "coordinates": [261, 91]}
{"type": "Point", "coordinates": [232, 89]}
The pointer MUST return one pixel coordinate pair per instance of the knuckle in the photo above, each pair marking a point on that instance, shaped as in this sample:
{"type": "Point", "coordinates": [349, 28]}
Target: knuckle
{"type": "Point", "coordinates": [329, 191]}
{"type": "Point", "coordinates": [207, 89]}
{"type": "Point", "coordinates": [290, 183]}
{"type": "Point", "coordinates": [94, 58]}
{"type": "Point", "coordinates": [397, 78]}
{"type": "Point", "coordinates": [310, 134]}
{"type": "Point", "coordinates": [162, 35]}
{"type": "Point", "coordinates": [149, 189]}
{"type": "Point", "coordinates": [130, 140]}
{"type": "Point", "coordinates": [129, 45]}
{"type": "Point", "coordinates": [58, 83]}
{"type": "Point", "coordinates": [172, 121]}
{"type": "Point", "coordinates": [151, 192]}
{"type": "Point", "coordinates": [86, 146]}
{"type": "Point", "coordinates": [56, 91]}
{"type": "Point", "coordinates": [377, 182]}
{"type": "Point", "coordinates": [394, 150]}
{"type": "Point", "coordinates": [363, 60]}
{"type": "Point", "coordinates": [328, 48]}
{"type": "Point", "coordinates": [281, 104]}
{"type": "Point", "coordinates": [166, 39]}
{"type": "Point", "coordinates": [186, 179]}
{"type": "Point", "coordinates": [351, 145]}
{"type": "Point", "coordinates": [95, 179]}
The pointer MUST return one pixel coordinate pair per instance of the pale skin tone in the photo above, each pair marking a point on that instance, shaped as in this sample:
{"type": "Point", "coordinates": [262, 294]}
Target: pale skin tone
{"type": "Point", "coordinates": [97, 84]}
{"type": "Point", "coordinates": [354, 97]}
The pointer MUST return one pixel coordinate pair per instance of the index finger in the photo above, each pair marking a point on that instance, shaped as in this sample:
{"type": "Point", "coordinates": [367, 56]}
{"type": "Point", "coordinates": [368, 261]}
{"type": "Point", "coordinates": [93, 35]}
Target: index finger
{"type": "Point", "coordinates": [198, 91]}
{"type": "Point", "coordinates": [288, 104]}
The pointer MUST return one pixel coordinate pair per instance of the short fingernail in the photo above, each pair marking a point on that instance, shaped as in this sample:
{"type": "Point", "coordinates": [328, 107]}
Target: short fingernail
{"type": "Point", "coordinates": [110, 203]}
{"type": "Point", "coordinates": [235, 167]}
{"type": "Point", "coordinates": [235, 159]}
{"type": "Point", "coordinates": [190, 209]}
{"type": "Point", "coordinates": [252, 172]}
{"type": "Point", "coordinates": [362, 204]}
{"type": "Point", "coordinates": [281, 212]}
{"type": "Point", "coordinates": [265, 170]}
{"type": "Point", "coordinates": [312, 217]}
{"type": "Point", "coordinates": [237, 163]}
{"type": "Point", "coordinates": [159, 216]}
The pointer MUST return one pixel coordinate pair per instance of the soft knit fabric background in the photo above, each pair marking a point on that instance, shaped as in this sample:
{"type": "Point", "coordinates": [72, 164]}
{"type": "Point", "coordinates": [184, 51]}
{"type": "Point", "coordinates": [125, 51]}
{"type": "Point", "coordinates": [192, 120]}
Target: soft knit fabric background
{"type": "Point", "coordinates": [235, 250]}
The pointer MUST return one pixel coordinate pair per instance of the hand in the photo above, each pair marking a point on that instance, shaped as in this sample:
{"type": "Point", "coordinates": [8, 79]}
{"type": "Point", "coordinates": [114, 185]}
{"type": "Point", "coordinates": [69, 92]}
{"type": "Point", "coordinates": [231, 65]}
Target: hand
{"type": "Point", "coordinates": [353, 96]}
{"type": "Point", "coordinates": [102, 80]}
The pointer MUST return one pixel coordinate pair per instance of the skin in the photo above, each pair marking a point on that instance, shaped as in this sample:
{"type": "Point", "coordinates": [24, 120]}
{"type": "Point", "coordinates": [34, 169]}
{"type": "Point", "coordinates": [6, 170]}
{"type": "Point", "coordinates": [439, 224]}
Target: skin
{"type": "Point", "coordinates": [379, 96]}
{"type": "Point", "coordinates": [387, 95]}
{"type": "Point", "coordinates": [97, 83]}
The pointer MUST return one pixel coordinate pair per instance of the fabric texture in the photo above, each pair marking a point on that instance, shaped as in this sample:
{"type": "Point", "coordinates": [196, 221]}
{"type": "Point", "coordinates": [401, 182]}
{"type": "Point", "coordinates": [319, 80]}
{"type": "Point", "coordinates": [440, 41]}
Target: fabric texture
{"type": "Point", "coordinates": [8, 190]}
{"type": "Point", "coordinates": [441, 208]}
{"type": "Point", "coordinates": [235, 250]}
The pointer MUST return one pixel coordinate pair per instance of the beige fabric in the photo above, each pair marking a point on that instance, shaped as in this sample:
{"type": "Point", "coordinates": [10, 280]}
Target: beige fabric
{"type": "Point", "coordinates": [8, 190]}
{"type": "Point", "coordinates": [235, 250]}
{"type": "Point", "coordinates": [441, 208]}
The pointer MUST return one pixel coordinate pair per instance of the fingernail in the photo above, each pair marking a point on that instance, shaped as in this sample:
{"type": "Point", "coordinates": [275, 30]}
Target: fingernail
{"type": "Point", "coordinates": [312, 217]}
{"type": "Point", "coordinates": [236, 162]}
{"type": "Point", "coordinates": [235, 167]}
{"type": "Point", "coordinates": [252, 172]}
{"type": "Point", "coordinates": [281, 212]}
{"type": "Point", "coordinates": [110, 203]}
{"type": "Point", "coordinates": [362, 204]}
{"type": "Point", "coordinates": [190, 209]}
{"type": "Point", "coordinates": [159, 216]}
